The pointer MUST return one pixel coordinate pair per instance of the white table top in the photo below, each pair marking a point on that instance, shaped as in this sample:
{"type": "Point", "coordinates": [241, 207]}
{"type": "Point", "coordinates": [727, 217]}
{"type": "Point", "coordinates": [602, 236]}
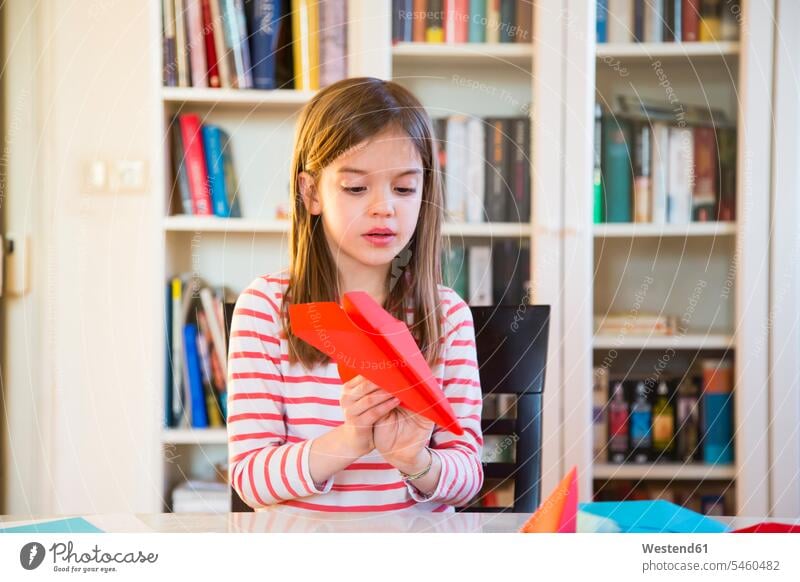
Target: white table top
{"type": "Point", "coordinates": [283, 520]}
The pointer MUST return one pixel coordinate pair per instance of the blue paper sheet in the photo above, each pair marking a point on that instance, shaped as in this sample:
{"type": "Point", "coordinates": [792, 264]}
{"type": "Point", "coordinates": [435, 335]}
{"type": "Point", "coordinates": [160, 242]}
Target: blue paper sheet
{"type": "Point", "coordinates": [658, 516]}
{"type": "Point", "coordinates": [67, 525]}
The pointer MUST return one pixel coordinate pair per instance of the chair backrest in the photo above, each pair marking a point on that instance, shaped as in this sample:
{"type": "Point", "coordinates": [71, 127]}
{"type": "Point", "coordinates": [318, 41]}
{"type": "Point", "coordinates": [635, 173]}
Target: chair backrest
{"type": "Point", "coordinates": [511, 346]}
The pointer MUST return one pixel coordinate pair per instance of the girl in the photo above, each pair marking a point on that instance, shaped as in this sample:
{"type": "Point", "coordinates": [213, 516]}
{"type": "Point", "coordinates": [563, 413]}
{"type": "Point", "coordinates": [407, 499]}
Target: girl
{"type": "Point", "coordinates": [367, 215]}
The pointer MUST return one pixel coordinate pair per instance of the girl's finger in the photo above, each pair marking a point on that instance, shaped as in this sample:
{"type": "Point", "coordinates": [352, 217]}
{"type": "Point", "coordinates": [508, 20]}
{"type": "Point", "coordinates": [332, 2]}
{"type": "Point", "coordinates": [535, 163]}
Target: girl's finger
{"type": "Point", "coordinates": [374, 413]}
{"type": "Point", "coordinates": [371, 401]}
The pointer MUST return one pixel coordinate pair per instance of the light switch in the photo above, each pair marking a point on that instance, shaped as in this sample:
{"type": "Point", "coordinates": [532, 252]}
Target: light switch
{"type": "Point", "coordinates": [95, 177]}
{"type": "Point", "coordinates": [128, 176]}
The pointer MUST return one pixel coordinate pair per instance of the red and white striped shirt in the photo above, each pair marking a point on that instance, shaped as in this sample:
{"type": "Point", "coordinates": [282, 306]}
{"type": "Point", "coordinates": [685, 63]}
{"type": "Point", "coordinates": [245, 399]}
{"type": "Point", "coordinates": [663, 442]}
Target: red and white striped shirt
{"type": "Point", "coordinates": [276, 410]}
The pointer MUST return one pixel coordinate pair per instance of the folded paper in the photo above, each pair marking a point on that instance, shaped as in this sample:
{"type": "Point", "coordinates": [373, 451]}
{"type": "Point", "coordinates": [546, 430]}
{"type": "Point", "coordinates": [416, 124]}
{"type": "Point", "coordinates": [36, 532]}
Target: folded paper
{"type": "Point", "coordinates": [558, 513]}
{"type": "Point", "coordinates": [364, 339]}
{"type": "Point", "coordinates": [657, 516]}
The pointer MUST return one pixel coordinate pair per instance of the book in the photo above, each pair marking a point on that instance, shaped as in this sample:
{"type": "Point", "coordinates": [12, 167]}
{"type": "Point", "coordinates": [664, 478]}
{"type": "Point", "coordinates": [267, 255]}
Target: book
{"type": "Point", "coordinates": [196, 46]}
{"type": "Point", "coordinates": [199, 411]}
{"type": "Point", "coordinates": [170, 76]}
{"type": "Point", "coordinates": [602, 21]}
{"type": "Point", "coordinates": [520, 171]}
{"type": "Point", "coordinates": [434, 23]}
{"type": "Point", "coordinates": [220, 47]}
{"type": "Point", "coordinates": [653, 20]}
{"type": "Point", "coordinates": [497, 164]}
{"type": "Point", "coordinates": [704, 197]}
{"type": "Point", "coordinates": [209, 30]}
{"type": "Point", "coordinates": [642, 140]}
{"type": "Point", "coordinates": [710, 20]}
{"type": "Point", "coordinates": [184, 79]}
{"type": "Point", "coordinates": [265, 20]}
{"type": "Point", "coordinates": [419, 14]}
{"type": "Point", "coordinates": [475, 198]}
{"type": "Point", "coordinates": [493, 21]}
{"type": "Point", "coordinates": [620, 21]}
{"type": "Point", "coordinates": [455, 203]}
{"type": "Point", "coordinates": [524, 16]}
{"type": "Point", "coordinates": [680, 181]}
{"type": "Point", "coordinates": [454, 270]}
{"type": "Point", "coordinates": [480, 275]}
{"type": "Point", "coordinates": [690, 23]}
{"type": "Point", "coordinates": [660, 171]}
{"type": "Point", "coordinates": [456, 21]}
{"type": "Point", "coordinates": [305, 30]}
{"type": "Point", "coordinates": [508, 10]}
{"type": "Point", "coordinates": [617, 176]}
{"type": "Point", "coordinates": [332, 41]}
{"type": "Point", "coordinates": [194, 160]}
{"type": "Point", "coordinates": [213, 137]}
{"type": "Point", "coordinates": [402, 21]}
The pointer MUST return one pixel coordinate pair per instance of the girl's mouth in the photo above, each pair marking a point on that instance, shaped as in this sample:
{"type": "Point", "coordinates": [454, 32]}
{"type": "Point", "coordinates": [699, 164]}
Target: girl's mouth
{"type": "Point", "coordinates": [381, 240]}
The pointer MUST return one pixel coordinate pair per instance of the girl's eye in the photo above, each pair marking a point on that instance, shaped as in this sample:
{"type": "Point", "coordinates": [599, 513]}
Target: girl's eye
{"type": "Point", "coordinates": [406, 190]}
{"type": "Point", "coordinates": [355, 189]}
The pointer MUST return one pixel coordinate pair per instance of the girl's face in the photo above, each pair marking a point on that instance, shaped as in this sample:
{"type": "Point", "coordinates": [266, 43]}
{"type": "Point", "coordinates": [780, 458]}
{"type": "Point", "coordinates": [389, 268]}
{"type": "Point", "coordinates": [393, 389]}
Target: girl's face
{"type": "Point", "coordinates": [375, 185]}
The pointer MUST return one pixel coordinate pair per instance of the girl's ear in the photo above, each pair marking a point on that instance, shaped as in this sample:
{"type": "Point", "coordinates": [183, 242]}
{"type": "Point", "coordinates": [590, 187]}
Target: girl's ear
{"type": "Point", "coordinates": [308, 190]}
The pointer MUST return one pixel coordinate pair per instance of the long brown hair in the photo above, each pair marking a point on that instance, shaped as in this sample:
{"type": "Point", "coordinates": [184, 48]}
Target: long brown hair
{"type": "Point", "coordinates": [336, 119]}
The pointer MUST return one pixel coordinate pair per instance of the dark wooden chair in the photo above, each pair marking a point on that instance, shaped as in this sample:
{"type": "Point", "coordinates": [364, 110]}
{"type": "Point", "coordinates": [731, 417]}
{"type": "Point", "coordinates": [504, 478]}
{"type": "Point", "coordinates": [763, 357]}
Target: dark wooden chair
{"type": "Point", "coordinates": [511, 345]}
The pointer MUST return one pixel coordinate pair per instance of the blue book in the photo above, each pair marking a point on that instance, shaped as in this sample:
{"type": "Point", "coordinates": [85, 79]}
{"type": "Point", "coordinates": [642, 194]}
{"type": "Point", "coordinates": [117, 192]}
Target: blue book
{"type": "Point", "coordinates": [213, 138]}
{"type": "Point", "coordinates": [197, 395]}
{"type": "Point", "coordinates": [168, 420]}
{"type": "Point", "coordinates": [477, 21]}
{"type": "Point", "coordinates": [264, 18]}
{"type": "Point", "coordinates": [602, 20]}
{"type": "Point", "coordinates": [717, 428]}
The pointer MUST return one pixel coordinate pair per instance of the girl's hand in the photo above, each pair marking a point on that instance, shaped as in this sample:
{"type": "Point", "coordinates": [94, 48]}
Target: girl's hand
{"type": "Point", "coordinates": [400, 436]}
{"type": "Point", "coordinates": [363, 404]}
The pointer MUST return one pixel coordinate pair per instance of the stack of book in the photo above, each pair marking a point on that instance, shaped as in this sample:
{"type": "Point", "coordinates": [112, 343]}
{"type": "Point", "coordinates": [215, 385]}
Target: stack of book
{"type": "Point", "coordinates": [457, 21]}
{"type": "Point", "coordinates": [195, 496]}
{"type": "Point", "coordinates": [254, 44]}
{"type": "Point", "coordinates": [668, 20]}
{"type": "Point", "coordinates": [489, 274]}
{"type": "Point", "coordinates": [653, 165]}
{"type": "Point", "coordinates": [486, 166]}
{"type": "Point", "coordinates": [646, 420]}
{"type": "Point", "coordinates": [196, 343]}
{"type": "Point", "coordinates": [639, 324]}
{"type": "Point", "coordinates": [204, 179]}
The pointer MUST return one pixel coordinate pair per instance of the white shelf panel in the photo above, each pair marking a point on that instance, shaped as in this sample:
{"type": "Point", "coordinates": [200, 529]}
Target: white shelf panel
{"type": "Point", "coordinates": [678, 342]}
{"type": "Point", "coordinates": [467, 53]}
{"type": "Point", "coordinates": [256, 226]}
{"type": "Point", "coordinates": [664, 50]}
{"type": "Point", "coordinates": [235, 97]}
{"type": "Point", "coordinates": [194, 436]}
{"type": "Point", "coordinates": [665, 471]}
{"type": "Point", "coordinates": [640, 229]}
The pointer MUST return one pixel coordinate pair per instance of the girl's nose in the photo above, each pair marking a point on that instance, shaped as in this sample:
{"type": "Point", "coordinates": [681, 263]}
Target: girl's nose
{"type": "Point", "coordinates": [382, 205]}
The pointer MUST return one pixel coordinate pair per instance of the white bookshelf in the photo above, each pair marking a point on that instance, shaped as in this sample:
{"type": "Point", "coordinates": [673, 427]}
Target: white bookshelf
{"type": "Point", "coordinates": [553, 80]}
{"type": "Point", "coordinates": [606, 263]}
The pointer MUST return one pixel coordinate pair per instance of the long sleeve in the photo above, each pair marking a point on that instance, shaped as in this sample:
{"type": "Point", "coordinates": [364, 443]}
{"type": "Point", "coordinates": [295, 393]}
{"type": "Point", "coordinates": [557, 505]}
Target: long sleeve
{"type": "Point", "coordinates": [461, 477]}
{"type": "Point", "coordinates": [265, 467]}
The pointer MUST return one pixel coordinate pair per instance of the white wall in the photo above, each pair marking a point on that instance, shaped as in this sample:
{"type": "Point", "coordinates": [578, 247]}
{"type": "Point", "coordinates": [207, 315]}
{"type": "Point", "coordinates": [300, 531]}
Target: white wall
{"type": "Point", "coordinates": [90, 378]}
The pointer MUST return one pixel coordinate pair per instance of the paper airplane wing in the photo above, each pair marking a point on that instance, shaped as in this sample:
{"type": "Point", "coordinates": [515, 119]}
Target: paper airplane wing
{"type": "Point", "coordinates": [328, 328]}
{"type": "Point", "coordinates": [558, 513]}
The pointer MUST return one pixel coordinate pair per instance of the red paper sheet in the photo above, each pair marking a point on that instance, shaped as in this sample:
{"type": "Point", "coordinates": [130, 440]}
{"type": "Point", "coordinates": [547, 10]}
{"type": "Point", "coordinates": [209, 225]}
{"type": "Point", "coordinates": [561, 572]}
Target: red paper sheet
{"type": "Point", "coordinates": [769, 527]}
{"type": "Point", "coordinates": [364, 339]}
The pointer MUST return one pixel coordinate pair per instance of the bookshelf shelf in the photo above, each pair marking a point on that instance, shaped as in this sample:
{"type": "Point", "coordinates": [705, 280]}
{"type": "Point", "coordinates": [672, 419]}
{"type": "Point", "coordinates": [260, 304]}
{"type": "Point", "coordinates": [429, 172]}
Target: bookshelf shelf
{"type": "Point", "coordinates": [235, 97]}
{"type": "Point", "coordinates": [665, 471]}
{"type": "Point", "coordinates": [667, 50]}
{"type": "Point", "coordinates": [678, 342]}
{"type": "Point", "coordinates": [635, 230]}
{"type": "Point", "coordinates": [189, 436]}
{"type": "Point", "coordinates": [258, 226]}
{"type": "Point", "coordinates": [520, 54]}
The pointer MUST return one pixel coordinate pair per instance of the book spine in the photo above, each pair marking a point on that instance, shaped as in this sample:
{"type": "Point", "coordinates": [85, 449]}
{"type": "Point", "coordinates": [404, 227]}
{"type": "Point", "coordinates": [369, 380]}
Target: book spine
{"type": "Point", "coordinates": [616, 169]}
{"type": "Point", "coordinates": [660, 172]}
{"type": "Point", "coordinates": [641, 178]}
{"type": "Point", "coordinates": [198, 402]}
{"type": "Point", "coordinates": [508, 9]}
{"type": "Point", "coordinates": [690, 20]}
{"type": "Point", "coordinates": [212, 147]}
{"type": "Point", "coordinates": [178, 402]}
{"type": "Point", "coordinates": [218, 30]}
{"type": "Point", "coordinates": [419, 8]}
{"type": "Point", "coordinates": [704, 198]}
{"type": "Point", "coordinates": [195, 164]}
{"type": "Point", "coordinates": [681, 175]}
{"type": "Point", "coordinates": [265, 20]}
{"type": "Point", "coordinates": [620, 21]}
{"type": "Point", "coordinates": [710, 20]}
{"type": "Point", "coordinates": [197, 57]}
{"type": "Point", "coordinates": [456, 168]}
{"type": "Point", "coordinates": [169, 419]}
{"type": "Point", "coordinates": [184, 193]}
{"type": "Point", "coordinates": [524, 21]}
{"type": "Point", "coordinates": [232, 45]}
{"type": "Point", "coordinates": [638, 20]}
{"type": "Point", "coordinates": [181, 44]}
{"type": "Point", "coordinates": [476, 170]}
{"type": "Point", "coordinates": [726, 145]}
{"type": "Point", "coordinates": [333, 41]}
{"type": "Point", "coordinates": [602, 21]}
{"type": "Point", "coordinates": [653, 21]}
{"type": "Point", "coordinates": [492, 21]}
{"type": "Point", "coordinates": [434, 26]}
{"type": "Point", "coordinates": [495, 170]}
{"type": "Point", "coordinates": [520, 171]}
{"type": "Point", "coordinates": [477, 21]}
{"type": "Point", "coordinates": [243, 44]}
{"type": "Point", "coordinates": [597, 204]}
{"type": "Point", "coordinates": [212, 69]}
{"type": "Point", "coordinates": [170, 64]}
{"type": "Point", "coordinates": [480, 285]}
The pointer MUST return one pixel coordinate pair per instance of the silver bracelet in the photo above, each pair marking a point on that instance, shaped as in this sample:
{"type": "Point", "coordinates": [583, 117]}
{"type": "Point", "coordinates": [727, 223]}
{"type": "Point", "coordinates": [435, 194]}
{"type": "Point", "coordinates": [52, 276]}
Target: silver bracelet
{"type": "Point", "coordinates": [415, 476]}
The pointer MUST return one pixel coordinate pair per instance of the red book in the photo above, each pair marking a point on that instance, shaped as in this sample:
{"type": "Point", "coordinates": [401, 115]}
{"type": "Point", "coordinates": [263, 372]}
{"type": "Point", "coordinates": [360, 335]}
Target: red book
{"type": "Point", "coordinates": [195, 163]}
{"type": "Point", "coordinates": [456, 25]}
{"type": "Point", "coordinates": [418, 24]}
{"type": "Point", "coordinates": [704, 197]}
{"type": "Point", "coordinates": [690, 20]}
{"type": "Point", "coordinates": [211, 50]}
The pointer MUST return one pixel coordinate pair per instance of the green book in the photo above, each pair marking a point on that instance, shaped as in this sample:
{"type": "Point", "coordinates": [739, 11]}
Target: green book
{"type": "Point", "coordinates": [454, 271]}
{"type": "Point", "coordinates": [477, 21]}
{"type": "Point", "coordinates": [616, 169]}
